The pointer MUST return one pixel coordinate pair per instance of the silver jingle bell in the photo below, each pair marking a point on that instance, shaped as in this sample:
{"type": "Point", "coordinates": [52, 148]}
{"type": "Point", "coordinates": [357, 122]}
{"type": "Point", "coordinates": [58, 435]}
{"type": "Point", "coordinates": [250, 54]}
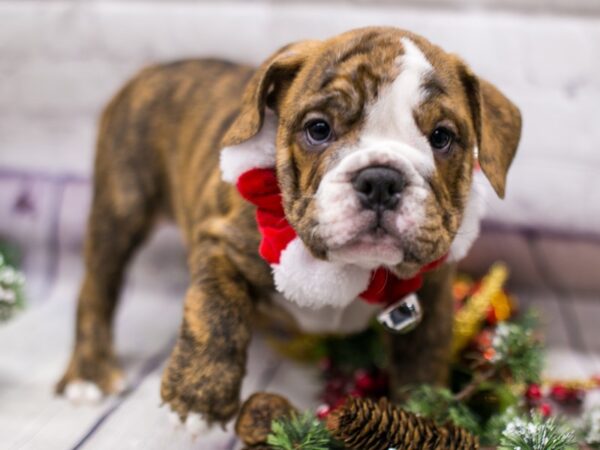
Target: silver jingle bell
{"type": "Point", "coordinates": [402, 316]}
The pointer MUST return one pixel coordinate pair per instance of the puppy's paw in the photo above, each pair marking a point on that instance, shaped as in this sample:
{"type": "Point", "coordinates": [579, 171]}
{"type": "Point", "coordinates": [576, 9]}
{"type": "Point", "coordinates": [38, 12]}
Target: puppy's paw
{"type": "Point", "coordinates": [194, 423]}
{"type": "Point", "coordinates": [83, 392]}
{"type": "Point", "coordinates": [201, 397]}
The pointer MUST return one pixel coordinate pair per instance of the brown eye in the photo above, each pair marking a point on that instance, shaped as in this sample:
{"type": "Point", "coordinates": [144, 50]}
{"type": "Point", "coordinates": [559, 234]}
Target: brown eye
{"type": "Point", "coordinates": [441, 139]}
{"type": "Point", "coordinates": [318, 132]}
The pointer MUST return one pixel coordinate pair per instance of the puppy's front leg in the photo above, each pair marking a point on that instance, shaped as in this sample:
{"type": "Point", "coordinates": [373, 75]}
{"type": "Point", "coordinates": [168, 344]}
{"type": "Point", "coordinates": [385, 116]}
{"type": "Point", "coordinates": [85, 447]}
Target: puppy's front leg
{"type": "Point", "coordinates": [206, 367]}
{"type": "Point", "coordinates": [423, 355]}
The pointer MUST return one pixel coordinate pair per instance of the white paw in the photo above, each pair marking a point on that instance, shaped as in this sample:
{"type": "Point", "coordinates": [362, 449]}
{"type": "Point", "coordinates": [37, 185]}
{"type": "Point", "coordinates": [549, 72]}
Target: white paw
{"type": "Point", "coordinates": [83, 392]}
{"type": "Point", "coordinates": [194, 424]}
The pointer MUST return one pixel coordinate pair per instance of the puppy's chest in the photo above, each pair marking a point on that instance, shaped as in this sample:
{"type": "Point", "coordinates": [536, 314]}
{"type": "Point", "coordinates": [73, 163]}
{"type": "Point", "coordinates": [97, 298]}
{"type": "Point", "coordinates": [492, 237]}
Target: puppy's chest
{"type": "Point", "coordinates": [353, 318]}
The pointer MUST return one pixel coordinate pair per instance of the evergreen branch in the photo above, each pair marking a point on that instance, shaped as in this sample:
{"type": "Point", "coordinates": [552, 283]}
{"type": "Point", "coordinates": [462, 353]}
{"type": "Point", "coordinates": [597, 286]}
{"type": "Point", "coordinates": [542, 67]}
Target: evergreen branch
{"type": "Point", "coordinates": [440, 405]}
{"type": "Point", "coordinates": [11, 288]}
{"type": "Point", "coordinates": [472, 387]}
{"type": "Point", "coordinates": [537, 434]}
{"type": "Point", "coordinates": [299, 432]}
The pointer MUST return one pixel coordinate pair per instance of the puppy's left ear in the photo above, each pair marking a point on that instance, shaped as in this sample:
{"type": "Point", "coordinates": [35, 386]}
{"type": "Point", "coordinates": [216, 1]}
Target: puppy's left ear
{"type": "Point", "coordinates": [497, 124]}
{"type": "Point", "coordinates": [265, 89]}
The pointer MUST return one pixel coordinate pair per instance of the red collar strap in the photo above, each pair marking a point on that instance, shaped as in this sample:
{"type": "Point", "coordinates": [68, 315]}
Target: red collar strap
{"type": "Point", "coordinates": [259, 186]}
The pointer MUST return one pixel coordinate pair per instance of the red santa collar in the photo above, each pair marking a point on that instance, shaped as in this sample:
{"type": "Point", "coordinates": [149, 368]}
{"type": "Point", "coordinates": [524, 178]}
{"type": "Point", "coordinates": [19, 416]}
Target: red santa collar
{"type": "Point", "coordinates": [259, 186]}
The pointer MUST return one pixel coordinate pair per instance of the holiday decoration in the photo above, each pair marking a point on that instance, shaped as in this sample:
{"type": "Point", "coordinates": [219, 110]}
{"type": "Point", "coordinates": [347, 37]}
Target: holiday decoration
{"type": "Point", "coordinates": [269, 421]}
{"type": "Point", "coordinates": [362, 424]}
{"type": "Point", "coordinates": [469, 318]}
{"type": "Point", "coordinates": [11, 285]}
{"type": "Point", "coordinates": [300, 432]}
{"type": "Point", "coordinates": [359, 424]}
{"type": "Point", "coordinates": [590, 428]}
{"type": "Point", "coordinates": [496, 394]}
{"type": "Point", "coordinates": [537, 433]}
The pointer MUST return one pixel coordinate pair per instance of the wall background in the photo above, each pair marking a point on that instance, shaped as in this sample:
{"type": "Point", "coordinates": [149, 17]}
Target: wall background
{"type": "Point", "coordinates": [61, 60]}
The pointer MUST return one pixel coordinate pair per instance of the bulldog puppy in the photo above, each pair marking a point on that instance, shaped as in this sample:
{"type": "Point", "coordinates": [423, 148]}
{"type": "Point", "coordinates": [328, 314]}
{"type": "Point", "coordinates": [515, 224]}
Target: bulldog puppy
{"type": "Point", "coordinates": [374, 136]}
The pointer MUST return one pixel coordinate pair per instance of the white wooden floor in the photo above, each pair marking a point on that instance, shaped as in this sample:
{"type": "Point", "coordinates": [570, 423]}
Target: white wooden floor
{"type": "Point", "coordinates": [34, 347]}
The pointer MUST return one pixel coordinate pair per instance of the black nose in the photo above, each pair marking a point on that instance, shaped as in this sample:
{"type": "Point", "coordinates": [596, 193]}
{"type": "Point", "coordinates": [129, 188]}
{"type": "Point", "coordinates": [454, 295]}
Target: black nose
{"type": "Point", "coordinates": [379, 188]}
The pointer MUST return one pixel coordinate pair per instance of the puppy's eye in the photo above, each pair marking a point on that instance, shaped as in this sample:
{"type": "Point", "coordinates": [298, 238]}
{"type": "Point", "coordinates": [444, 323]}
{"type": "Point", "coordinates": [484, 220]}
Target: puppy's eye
{"type": "Point", "coordinates": [318, 132]}
{"type": "Point", "coordinates": [441, 139]}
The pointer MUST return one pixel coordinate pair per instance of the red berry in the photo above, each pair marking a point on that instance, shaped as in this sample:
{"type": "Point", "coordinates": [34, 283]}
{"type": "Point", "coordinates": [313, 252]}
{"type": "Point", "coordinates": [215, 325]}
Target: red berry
{"type": "Point", "coordinates": [337, 384]}
{"type": "Point", "coordinates": [578, 395]}
{"type": "Point", "coordinates": [491, 318]}
{"type": "Point", "coordinates": [545, 409]}
{"type": "Point", "coordinates": [560, 393]}
{"type": "Point", "coordinates": [484, 339]}
{"type": "Point", "coordinates": [533, 392]}
{"type": "Point", "coordinates": [364, 381]}
{"type": "Point", "coordinates": [323, 411]}
{"type": "Point", "coordinates": [356, 393]}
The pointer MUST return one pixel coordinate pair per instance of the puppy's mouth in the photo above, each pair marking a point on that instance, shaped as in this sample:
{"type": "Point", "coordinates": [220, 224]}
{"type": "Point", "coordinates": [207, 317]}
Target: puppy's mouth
{"type": "Point", "coordinates": [370, 207]}
{"type": "Point", "coordinates": [377, 243]}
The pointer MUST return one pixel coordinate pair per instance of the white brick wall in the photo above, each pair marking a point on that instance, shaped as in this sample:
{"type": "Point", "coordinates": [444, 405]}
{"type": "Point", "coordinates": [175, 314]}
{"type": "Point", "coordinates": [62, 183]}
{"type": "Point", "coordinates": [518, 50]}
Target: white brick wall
{"type": "Point", "coordinates": [61, 60]}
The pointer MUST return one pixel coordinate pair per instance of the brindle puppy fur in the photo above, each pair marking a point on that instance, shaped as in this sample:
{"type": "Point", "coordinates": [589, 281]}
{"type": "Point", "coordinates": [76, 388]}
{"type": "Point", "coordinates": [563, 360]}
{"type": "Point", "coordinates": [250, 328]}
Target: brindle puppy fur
{"type": "Point", "coordinates": [158, 154]}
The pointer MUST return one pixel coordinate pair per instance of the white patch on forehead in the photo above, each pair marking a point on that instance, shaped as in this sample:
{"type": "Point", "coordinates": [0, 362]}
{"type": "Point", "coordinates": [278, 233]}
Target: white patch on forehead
{"type": "Point", "coordinates": [391, 117]}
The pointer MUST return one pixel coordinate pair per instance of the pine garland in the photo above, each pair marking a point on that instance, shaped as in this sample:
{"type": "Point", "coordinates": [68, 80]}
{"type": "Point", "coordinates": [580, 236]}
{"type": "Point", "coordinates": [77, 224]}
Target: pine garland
{"type": "Point", "coordinates": [300, 432]}
{"type": "Point", "coordinates": [362, 424]}
{"type": "Point", "coordinates": [537, 433]}
{"type": "Point", "coordinates": [11, 286]}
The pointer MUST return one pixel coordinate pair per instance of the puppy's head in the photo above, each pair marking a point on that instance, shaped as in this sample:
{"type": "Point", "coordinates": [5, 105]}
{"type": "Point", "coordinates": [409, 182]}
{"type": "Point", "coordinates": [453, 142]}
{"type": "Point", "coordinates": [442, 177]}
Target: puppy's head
{"type": "Point", "coordinates": [377, 133]}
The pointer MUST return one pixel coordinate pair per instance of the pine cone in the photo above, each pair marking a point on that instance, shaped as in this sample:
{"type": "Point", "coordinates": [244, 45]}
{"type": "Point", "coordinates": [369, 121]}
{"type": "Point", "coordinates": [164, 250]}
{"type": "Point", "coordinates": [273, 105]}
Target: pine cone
{"type": "Point", "coordinates": [253, 424]}
{"type": "Point", "coordinates": [362, 424]}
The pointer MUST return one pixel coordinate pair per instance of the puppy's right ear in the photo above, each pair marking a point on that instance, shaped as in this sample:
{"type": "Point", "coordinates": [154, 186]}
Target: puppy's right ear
{"type": "Point", "coordinates": [265, 89]}
{"type": "Point", "coordinates": [497, 123]}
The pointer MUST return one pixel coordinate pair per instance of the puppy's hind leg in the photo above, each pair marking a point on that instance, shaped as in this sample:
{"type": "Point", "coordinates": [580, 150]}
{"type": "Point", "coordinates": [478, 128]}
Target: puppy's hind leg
{"type": "Point", "coordinates": [123, 210]}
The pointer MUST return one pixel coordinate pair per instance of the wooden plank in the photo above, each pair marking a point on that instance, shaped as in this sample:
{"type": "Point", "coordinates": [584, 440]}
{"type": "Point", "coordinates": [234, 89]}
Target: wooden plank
{"type": "Point", "coordinates": [30, 415]}
{"type": "Point", "coordinates": [587, 310]}
{"type": "Point", "coordinates": [571, 263]}
{"type": "Point", "coordinates": [35, 348]}
{"type": "Point", "coordinates": [513, 249]}
{"type": "Point", "coordinates": [140, 422]}
{"type": "Point", "coordinates": [547, 305]}
{"type": "Point", "coordinates": [300, 383]}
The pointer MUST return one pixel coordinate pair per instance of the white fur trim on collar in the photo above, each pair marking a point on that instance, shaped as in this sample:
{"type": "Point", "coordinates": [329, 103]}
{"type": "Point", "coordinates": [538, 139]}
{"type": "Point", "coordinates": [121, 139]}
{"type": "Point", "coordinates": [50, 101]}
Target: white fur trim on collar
{"type": "Point", "coordinates": [311, 282]}
{"type": "Point", "coordinates": [353, 318]}
{"type": "Point", "coordinates": [257, 152]}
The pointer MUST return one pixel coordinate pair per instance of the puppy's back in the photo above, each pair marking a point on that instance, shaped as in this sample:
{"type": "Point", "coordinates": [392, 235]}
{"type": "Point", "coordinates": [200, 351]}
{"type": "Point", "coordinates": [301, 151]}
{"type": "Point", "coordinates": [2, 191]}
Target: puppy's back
{"type": "Point", "coordinates": [159, 136]}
